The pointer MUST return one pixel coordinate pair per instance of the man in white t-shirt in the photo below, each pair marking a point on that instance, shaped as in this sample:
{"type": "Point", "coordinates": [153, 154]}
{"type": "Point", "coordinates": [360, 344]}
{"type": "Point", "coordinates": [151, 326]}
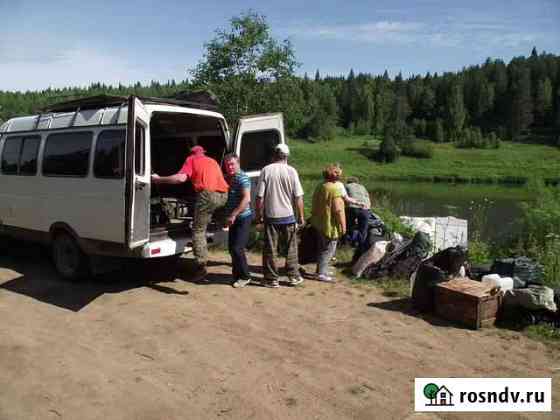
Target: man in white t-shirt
{"type": "Point", "coordinates": [280, 206]}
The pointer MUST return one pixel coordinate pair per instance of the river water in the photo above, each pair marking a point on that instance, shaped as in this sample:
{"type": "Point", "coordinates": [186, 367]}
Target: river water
{"type": "Point", "coordinates": [494, 209]}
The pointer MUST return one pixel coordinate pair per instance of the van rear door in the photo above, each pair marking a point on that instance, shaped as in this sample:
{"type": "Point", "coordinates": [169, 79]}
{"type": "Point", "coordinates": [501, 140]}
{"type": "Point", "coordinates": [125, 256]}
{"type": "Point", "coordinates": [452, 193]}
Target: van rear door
{"type": "Point", "coordinates": [256, 137]}
{"type": "Point", "coordinates": [137, 174]}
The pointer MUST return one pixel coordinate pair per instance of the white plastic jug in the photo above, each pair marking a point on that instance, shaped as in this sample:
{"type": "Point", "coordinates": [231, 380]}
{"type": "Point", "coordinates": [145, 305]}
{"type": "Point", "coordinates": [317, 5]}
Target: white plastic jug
{"type": "Point", "coordinates": [504, 283]}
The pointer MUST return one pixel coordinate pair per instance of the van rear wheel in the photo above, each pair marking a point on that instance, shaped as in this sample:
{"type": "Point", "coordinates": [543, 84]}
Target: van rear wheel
{"type": "Point", "coordinates": [69, 260]}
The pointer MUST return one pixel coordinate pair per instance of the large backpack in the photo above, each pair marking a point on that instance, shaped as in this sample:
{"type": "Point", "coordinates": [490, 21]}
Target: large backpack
{"type": "Point", "coordinates": [527, 270]}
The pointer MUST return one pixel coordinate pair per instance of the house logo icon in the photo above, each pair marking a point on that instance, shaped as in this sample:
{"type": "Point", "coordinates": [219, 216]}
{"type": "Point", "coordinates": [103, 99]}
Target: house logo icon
{"type": "Point", "coordinates": [439, 396]}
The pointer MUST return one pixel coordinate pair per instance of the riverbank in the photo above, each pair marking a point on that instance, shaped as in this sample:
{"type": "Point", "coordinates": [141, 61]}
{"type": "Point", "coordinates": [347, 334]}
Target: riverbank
{"type": "Point", "coordinates": [512, 163]}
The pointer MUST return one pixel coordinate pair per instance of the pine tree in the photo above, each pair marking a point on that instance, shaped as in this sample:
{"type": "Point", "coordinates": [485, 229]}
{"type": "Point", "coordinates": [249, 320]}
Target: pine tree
{"type": "Point", "coordinates": [427, 103]}
{"type": "Point", "coordinates": [543, 101]}
{"type": "Point", "coordinates": [401, 107]}
{"type": "Point", "coordinates": [350, 100]}
{"type": "Point", "coordinates": [388, 151]}
{"type": "Point", "coordinates": [521, 111]}
{"type": "Point", "coordinates": [456, 113]}
{"type": "Point", "coordinates": [439, 133]}
{"type": "Point", "coordinates": [368, 109]}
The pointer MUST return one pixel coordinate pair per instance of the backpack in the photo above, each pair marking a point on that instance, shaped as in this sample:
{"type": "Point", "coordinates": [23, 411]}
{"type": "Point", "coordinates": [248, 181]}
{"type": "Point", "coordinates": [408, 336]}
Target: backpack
{"type": "Point", "coordinates": [527, 270]}
{"type": "Point", "coordinates": [308, 245]}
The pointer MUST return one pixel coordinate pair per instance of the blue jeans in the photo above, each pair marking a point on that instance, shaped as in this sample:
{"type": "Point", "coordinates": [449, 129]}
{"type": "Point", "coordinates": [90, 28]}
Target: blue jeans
{"type": "Point", "coordinates": [359, 222]}
{"type": "Point", "coordinates": [237, 242]}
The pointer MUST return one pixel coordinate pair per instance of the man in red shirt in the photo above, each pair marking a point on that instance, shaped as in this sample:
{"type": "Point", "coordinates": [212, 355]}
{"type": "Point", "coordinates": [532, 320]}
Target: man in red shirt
{"type": "Point", "coordinates": [211, 193]}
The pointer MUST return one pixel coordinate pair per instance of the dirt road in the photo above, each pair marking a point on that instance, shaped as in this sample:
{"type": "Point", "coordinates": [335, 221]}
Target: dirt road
{"type": "Point", "coordinates": [148, 346]}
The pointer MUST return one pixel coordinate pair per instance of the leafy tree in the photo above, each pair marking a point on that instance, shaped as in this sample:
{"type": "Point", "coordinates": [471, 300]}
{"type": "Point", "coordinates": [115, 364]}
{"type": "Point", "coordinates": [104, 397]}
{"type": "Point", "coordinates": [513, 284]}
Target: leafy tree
{"type": "Point", "coordinates": [238, 58]}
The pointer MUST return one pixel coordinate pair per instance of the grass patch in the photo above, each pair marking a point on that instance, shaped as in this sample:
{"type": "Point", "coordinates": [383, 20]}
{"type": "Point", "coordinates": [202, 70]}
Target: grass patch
{"type": "Point", "coordinates": [512, 163]}
{"type": "Point", "coordinates": [545, 334]}
{"type": "Point", "coordinates": [393, 288]}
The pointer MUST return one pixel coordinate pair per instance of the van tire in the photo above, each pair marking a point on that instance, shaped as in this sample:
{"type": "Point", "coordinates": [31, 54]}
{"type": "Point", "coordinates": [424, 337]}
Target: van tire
{"type": "Point", "coordinates": [69, 260]}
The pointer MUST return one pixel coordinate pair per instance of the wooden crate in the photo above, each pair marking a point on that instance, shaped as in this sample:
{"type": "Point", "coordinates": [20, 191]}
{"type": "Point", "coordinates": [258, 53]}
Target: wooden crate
{"type": "Point", "coordinates": [468, 302]}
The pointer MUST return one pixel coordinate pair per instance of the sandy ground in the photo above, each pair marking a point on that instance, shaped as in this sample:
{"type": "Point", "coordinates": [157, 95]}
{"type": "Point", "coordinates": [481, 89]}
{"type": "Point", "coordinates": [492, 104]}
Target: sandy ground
{"type": "Point", "coordinates": [149, 344]}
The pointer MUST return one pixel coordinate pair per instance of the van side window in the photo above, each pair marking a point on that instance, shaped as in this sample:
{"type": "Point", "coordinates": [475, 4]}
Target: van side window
{"type": "Point", "coordinates": [257, 149]}
{"type": "Point", "coordinates": [109, 154]}
{"type": "Point", "coordinates": [139, 160]}
{"type": "Point", "coordinates": [19, 156]}
{"type": "Point", "coordinates": [67, 154]}
{"type": "Point", "coordinates": [28, 158]}
{"type": "Point", "coordinates": [10, 155]}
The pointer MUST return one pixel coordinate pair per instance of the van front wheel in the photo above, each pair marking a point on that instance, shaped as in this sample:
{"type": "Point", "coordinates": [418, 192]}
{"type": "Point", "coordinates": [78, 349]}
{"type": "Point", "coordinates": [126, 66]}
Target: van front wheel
{"type": "Point", "coordinates": [69, 260]}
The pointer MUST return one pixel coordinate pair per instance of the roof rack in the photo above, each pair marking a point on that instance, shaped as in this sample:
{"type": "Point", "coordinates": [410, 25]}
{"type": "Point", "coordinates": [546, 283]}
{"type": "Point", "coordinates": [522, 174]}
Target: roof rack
{"type": "Point", "coordinates": [99, 101]}
{"type": "Point", "coordinates": [200, 100]}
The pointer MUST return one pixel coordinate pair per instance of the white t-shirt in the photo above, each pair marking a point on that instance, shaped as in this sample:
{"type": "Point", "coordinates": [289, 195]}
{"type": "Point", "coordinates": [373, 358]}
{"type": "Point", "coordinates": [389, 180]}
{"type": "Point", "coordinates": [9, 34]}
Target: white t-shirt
{"type": "Point", "coordinates": [278, 186]}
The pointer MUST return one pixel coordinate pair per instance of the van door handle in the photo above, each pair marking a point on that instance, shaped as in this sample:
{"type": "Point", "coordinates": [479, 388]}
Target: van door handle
{"type": "Point", "coordinates": [140, 184]}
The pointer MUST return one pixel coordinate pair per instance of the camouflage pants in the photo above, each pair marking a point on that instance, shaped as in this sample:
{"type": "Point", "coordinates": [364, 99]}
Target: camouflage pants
{"type": "Point", "coordinates": [206, 203]}
{"type": "Point", "coordinates": [286, 237]}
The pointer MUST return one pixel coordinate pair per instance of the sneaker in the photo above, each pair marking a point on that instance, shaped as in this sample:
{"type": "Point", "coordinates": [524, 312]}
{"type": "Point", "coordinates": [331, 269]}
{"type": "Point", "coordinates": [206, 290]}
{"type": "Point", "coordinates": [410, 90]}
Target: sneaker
{"type": "Point", "coordinates": [294, 281]}
{"type": "Point", "coordinates": [273, 284]}
{"type": "Point", "coordinates": [326, 278]}
{"type": "Point", "coordinates": [241, 283]}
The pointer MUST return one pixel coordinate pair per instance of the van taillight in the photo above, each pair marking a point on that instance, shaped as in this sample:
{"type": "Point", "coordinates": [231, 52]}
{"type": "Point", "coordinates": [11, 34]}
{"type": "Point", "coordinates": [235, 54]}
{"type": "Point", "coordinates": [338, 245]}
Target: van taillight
{"type": "Point", "coordinates": [155, 251]}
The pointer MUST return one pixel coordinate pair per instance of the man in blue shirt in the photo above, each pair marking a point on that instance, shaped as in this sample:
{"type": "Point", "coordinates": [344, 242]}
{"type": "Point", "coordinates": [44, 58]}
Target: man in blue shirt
{"type": "Point", "coordinates": [238, 218]}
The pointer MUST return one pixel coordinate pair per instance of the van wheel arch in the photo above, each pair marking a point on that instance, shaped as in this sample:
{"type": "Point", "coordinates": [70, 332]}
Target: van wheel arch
{"type": "Point", "coordinates": [70, 261]}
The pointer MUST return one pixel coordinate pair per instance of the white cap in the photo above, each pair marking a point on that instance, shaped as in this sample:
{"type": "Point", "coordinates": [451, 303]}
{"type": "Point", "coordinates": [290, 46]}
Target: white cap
{"type": "Point", "coordinates": [283, 149]}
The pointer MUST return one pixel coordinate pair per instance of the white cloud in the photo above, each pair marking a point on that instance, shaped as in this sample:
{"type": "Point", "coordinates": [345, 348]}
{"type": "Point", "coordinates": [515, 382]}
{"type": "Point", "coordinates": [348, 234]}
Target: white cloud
{"type": "Point", "coordinates": [450, 33]}
{"type": "Point", "coordinates": [372, 32]}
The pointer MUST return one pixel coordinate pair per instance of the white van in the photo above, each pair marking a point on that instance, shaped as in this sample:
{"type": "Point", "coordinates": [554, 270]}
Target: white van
{"type": "Point", "coordinates": [77, 177]}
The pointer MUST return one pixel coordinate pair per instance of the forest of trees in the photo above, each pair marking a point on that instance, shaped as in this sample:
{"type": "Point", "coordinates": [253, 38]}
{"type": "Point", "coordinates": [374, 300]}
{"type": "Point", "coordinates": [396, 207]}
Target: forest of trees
{"type": "Point", "coordinates": [251, 72]}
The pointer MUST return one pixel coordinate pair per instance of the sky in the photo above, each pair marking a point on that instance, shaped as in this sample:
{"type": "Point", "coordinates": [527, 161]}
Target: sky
{"type": "Point", "coordinates": [75, 43]}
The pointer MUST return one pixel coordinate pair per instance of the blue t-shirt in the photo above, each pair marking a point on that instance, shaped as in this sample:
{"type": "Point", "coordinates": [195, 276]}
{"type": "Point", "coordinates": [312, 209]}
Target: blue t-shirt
{"type": "Point", "coordinates": [239, 183]}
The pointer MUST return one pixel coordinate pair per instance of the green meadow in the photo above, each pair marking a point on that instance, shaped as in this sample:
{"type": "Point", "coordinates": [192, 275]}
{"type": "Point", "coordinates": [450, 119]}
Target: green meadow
{"type": "Point", "coordinates": [512, 163]}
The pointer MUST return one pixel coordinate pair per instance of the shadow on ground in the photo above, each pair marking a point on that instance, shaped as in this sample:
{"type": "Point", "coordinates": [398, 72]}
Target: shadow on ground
{"type": "Point", "coordinates": [28, 271]}
{"type": "Point", "coordinates": [404, 306]}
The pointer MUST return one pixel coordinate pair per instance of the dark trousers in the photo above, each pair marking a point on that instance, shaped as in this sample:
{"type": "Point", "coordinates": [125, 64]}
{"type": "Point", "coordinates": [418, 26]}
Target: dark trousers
{"type": "Point", "coordinates": [237, 242]}
{"type": "Point", "coordinates": [359, 222]}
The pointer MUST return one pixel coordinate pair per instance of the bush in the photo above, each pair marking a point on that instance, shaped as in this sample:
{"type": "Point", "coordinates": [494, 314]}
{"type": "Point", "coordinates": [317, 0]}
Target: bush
{"type": "Point", "coordinates": [362, 128]}
{"type": "Point", "coordinates": [437, 131]}
{"type": "Point", "coordinates": [540, 235]}
{"type": "Point", "coordinates": [472, 138]}
{"type": "Point", "coordinates": [388, 151]}
{"type": "Point", "coordinates": [418, 149]}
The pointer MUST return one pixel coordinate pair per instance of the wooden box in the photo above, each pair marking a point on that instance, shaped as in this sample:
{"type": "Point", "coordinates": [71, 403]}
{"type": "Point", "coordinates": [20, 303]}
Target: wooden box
{"type": "Point", "coordinates": [468, 302]}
